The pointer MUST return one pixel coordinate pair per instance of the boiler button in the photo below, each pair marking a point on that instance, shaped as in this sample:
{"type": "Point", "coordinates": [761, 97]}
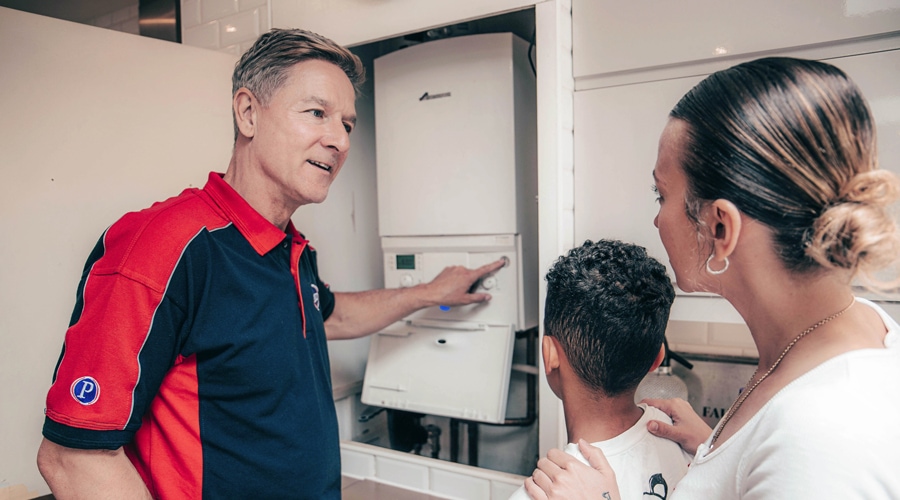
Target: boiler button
{"type": "Point", "coordinates": [489, 282]}
{"type": "Point", "coordinates": [406, 280]}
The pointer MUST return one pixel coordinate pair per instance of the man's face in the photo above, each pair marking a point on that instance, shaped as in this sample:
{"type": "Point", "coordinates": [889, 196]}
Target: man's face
{"type": "Point", "coordinates": [302, 136]}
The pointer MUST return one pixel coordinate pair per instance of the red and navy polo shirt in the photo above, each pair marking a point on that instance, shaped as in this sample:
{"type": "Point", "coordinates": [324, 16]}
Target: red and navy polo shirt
{"type": "Point", "coordinates": [197, 342]}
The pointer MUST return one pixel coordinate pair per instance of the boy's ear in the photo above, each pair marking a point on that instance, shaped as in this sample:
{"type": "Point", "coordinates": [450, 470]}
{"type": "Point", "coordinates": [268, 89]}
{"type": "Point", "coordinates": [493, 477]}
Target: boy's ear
{"type": "Point", "coordinates": [550, 352]}
{"type": "Point", "coordinates": [659, 358]}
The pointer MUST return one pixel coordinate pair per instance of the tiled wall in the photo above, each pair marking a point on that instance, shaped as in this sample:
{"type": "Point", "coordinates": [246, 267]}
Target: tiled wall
{"type": "Point", "coordinates": [225, 25]}
{"type": "Point", "coordinates": [729, 339]}
{"type": "Point", "coordinates": [426, 475]}
{"type": "Point", "coordinates": [124, 19]}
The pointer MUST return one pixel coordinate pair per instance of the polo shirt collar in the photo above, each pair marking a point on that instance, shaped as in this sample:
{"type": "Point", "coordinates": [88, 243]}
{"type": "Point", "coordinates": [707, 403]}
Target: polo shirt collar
{"type": "Point", "coordinates": [262, 235]}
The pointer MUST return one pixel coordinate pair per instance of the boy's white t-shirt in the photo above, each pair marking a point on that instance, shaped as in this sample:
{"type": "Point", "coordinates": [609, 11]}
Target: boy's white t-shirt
{"type": "Point", "coordinates": [646, 466]}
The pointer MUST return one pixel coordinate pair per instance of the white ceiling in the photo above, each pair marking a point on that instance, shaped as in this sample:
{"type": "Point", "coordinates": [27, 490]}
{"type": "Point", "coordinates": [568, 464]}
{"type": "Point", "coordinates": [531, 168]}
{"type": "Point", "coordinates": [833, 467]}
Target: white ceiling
{"type": "Point", "coordinates": [70, 10]}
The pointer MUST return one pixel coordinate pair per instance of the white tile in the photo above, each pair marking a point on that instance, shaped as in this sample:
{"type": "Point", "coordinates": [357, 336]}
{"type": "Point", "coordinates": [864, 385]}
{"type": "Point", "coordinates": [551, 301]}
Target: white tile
{"type": "Point", "coordinates": [730, 335]}
{"type": "Point", "coordinates": [126, 27]}
{"type": "Point", "coordinates": [205, 35]}
{"type": "Point", "coordinates": [121, 15]}
{"type": "Point", "coordinates": [401, 473]}
{"type": "Point", "coordinates": [239, 28]}
{"type": "Point", "coordinates": [264, 19]}
{"type": "Point", "coordinates": [217, 9]}
{"type": "Point", "coordinates": [250, 4]}
{"type": "Point", "coordinates": [687, 332]}
{"type": "Point", "coordinates": [190, 13]}
{"type": "Point", "coordinates": [502, 491]}
{"type": "Point", "coordinates": [234, 50]}
{"type": "Point", "coordinates": [132, 27]}
{"type": "Point", "coordinates": [357, 464]}
{"type": "Point", "coordinates": [103, 21]}
{"type": "Point", "coordinates": [246, 46]}
{"type": "Point", "coordinates": [460, 485]}
{"type": "Point", "coordinates": [707, 349]}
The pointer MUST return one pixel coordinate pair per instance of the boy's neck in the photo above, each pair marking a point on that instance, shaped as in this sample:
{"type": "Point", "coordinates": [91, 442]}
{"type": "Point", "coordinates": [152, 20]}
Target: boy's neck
{"type": "Point", "coordinates": [595, 419]}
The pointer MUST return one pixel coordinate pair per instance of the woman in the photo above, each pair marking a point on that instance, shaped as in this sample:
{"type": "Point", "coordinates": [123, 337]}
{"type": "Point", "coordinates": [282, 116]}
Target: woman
{"type": "Point", "coordinates": [770, 196]}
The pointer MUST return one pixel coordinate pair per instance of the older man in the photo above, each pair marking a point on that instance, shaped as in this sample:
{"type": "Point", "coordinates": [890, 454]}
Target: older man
{"type": "Point", "coordinates": [196, 363]}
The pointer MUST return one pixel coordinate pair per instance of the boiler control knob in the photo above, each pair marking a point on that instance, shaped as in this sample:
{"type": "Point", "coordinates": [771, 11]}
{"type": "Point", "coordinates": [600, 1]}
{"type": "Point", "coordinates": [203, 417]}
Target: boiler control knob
{"type": "Point", "coordinates": [406, 280]}
{"type": "Point", "coordinates": [489, 282]}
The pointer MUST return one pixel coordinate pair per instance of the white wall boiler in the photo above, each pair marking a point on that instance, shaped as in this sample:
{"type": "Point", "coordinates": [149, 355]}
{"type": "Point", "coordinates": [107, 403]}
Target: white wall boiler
{"type": "Point", "coordinates": [456, 140]}
{"type": "Point", "coordinates": [457, 184]}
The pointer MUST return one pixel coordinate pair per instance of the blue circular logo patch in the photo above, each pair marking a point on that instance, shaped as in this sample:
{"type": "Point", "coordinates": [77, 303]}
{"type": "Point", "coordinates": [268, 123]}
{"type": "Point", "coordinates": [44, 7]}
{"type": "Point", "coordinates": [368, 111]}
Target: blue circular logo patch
{"type": "Point", "coordinates": [86, 390]}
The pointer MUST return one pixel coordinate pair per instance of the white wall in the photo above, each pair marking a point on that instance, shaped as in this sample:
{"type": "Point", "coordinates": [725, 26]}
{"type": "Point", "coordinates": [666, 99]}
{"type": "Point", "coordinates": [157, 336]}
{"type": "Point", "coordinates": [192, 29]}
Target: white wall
{"type": "Point", "coordinates": [96, 123]}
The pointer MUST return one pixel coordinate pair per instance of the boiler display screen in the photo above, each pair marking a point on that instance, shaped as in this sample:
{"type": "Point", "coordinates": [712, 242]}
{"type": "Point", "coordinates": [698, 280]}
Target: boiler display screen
{"type": "Point", "coordinates": [406, 261]}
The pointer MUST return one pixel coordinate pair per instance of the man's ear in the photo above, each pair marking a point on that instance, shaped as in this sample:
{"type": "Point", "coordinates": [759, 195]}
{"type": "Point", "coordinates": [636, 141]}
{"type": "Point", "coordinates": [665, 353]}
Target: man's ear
{"type": "Point", "coordinates": [245, 106]}
{"type": "Point", "coordinates": [659, 358]}
{"type": "Point", "coordinates": [550, 351]}
{"type": "Point", "coordinates": [725, 222]}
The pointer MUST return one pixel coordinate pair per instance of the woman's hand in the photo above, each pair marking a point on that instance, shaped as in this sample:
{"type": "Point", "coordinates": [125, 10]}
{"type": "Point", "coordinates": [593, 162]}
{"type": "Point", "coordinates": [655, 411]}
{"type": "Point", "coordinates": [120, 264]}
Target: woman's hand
{"type": "Point", "coordinates": [562, 476]}
{"type": "Point", "coordinates": [687, 429]}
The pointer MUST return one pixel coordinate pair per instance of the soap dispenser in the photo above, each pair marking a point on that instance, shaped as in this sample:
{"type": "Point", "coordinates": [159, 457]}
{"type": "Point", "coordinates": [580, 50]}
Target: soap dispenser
{"type": "Point", "coordinates": [662, 383]}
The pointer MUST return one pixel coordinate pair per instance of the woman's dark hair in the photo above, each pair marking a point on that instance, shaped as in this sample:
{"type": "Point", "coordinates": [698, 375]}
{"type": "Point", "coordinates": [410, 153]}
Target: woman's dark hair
{"type": "Point", "coordinates": [791, 143]}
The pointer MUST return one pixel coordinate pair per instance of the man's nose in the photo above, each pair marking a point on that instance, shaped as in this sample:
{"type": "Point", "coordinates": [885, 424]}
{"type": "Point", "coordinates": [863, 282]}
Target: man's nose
{"type": "Point", "coordinates": [337, 137]}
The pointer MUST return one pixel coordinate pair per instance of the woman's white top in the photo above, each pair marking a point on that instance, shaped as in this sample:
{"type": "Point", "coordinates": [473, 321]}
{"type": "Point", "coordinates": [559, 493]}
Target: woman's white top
{"type": "Point", "coordinates": [834, 432]}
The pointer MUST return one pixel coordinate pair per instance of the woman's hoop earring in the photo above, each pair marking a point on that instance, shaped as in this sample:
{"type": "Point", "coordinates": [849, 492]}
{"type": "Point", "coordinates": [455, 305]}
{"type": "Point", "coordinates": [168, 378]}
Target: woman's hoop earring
{"type": "Point", "coordinates": [720, 271]}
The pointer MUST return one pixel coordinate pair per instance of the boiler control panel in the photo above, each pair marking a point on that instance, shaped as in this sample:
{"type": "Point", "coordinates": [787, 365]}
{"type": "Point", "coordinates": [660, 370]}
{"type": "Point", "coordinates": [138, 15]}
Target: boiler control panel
{"type": "Point", "coordinates": [410, 261]}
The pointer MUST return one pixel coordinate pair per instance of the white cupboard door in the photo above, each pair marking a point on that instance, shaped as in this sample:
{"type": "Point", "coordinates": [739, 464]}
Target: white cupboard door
{"type": "Point", "coordinates": [614, 36]}
{"type": "Point", "coordinates": [616, 135]}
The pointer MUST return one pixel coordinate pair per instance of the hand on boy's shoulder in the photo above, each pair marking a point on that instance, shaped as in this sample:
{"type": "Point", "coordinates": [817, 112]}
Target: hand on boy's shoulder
{"type": "Point", "coordinates": [682, 424]}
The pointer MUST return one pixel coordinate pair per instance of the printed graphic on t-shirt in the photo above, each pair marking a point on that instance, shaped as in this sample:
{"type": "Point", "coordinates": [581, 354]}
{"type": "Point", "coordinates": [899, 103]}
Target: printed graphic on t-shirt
{"type": "Point", "coordinates": [657, 483]}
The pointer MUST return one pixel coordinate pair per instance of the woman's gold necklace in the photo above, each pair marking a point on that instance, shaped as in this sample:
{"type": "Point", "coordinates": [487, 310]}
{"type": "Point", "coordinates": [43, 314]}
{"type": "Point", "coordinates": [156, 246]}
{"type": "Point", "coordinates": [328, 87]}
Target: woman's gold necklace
{"type": "Point", "coordinates": [744, 395]}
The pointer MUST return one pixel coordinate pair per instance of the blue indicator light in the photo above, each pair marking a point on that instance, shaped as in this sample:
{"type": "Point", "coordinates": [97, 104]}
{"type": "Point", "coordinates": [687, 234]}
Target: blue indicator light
{"type": "Point", "coordinates": [444, 308]}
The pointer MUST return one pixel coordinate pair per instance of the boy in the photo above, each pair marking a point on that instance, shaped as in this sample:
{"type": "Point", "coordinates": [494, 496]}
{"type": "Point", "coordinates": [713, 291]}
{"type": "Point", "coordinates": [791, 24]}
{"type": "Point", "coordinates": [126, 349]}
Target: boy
{"type": "Point", "coordinates": [604, 325]}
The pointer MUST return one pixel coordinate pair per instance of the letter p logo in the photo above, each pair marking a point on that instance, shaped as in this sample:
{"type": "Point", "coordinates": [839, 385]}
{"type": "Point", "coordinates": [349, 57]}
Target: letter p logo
{"type": "Point", "coordinates": [86, 390]}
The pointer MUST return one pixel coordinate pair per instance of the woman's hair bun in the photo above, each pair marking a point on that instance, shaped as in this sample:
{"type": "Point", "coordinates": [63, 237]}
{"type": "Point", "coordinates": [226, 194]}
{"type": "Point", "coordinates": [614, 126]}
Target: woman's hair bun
{"type": "Point", "coordinates": [858, 231]}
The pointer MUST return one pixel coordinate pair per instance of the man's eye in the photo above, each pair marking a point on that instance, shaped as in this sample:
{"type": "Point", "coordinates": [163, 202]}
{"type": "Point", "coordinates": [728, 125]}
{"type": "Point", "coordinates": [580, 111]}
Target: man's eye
{"type": "Point", "coordinates": [348, 127]}
{"type": "Point", "coordinates": [318, 113]}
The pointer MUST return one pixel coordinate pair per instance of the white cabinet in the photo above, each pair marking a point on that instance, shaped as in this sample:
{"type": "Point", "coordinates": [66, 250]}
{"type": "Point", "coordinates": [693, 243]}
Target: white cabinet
{"type": "Point", "coordinates": [614, 36]}
{"type": "Point", "coordinates": [616, 135]}
{"type": "Point", "coordinates": [353, 22]}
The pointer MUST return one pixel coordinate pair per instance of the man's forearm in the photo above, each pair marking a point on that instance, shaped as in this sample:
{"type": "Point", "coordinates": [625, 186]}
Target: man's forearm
{"type": "Point", "coordinates": [89, 474]}
{"type": "Point", "coordinates": [359, 314]}
{"type": "Point", "coordinates": [362, 313]}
